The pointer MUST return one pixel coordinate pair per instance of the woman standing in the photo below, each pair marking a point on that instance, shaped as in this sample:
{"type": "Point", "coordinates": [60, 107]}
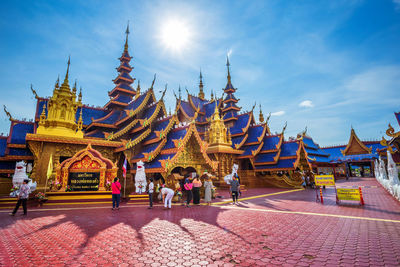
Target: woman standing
{"type": "Point", "coordinates": [116, 193]}
{"type": "Point", "coordinates": [196, 190]}
{"type": "Point", "coordinates": [188, 188]}
{"type": "Point", "coordinates": [208, 185]}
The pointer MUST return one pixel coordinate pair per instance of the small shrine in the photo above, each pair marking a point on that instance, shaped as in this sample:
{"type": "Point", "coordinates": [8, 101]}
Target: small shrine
{"type": "Point", "coordinates": [87, 170]}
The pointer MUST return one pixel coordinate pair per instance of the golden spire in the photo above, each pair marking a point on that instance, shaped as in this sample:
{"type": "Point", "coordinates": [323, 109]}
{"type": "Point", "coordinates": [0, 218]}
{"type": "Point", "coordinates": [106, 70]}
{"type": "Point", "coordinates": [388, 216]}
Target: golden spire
{"type": "Point", "coordinates": [80, 95]}
{"type": "Point", "coordinates": [138, 89]}
{"type": "Point", "coordinates": [65, 85]}
{"type": "Point", "coordinates": [217, 133]}
{"type": "Point", "coordinates": [74, 89]}
{"type": "Point", "coordinates": [126, 39]}
{"type": "Point", "coordinates": [43, 115]}
{"type": "Point", "coordinates": [57, 85]}
{"type": "Point", "coordinates": [80, 121]}
{"type": "Point", "coordinates": [212, 95]}
{"type": "Point", "coordinates": [227, 65]}
{"type": "Point", "coordinates": [261, 116]}
{"type": "Point", "coordinates": [201, 92]}
{"type": "Point", "coordinates": [179, 90]}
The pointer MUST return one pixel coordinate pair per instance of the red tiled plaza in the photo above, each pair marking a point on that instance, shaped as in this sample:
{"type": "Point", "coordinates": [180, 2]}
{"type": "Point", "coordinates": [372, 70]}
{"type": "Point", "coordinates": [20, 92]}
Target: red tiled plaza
{"type": "Point", "coordinates": [288, 229]}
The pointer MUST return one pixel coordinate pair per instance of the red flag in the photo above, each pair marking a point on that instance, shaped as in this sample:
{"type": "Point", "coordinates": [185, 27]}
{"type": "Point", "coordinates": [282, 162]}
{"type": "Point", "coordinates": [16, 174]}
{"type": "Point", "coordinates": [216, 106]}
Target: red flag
{"type": "Point", "coordinates": [124, 168]}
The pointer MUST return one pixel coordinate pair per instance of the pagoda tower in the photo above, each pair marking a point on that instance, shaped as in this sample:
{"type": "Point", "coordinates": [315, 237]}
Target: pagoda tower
{"type": "Point", "coordinates": [230, 109]}
{"type": "Point", "coordinates": [61, 115]}
{"type": "Point", "coordinates": [201, 87]}
{"type": "Point", "coordinates": [122, 93]}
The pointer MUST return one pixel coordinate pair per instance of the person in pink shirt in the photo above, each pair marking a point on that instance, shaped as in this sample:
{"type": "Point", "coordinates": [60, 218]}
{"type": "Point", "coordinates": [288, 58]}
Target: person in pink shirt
{"type": "Point", "coordinates": [116, 193]}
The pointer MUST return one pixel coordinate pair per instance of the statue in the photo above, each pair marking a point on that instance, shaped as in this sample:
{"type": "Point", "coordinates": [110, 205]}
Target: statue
{"type": "Point", "coordinates": [376, 170]}
{"type": "Point", "coordinates": [140, 178]}
{"type": "Point", "coordinates": [393, 176]}
{"type": "Point", "coordinates": [228, 178]}
{"type": "Point", "coordinates": [382, 171]}
{"type": "Point", "coordinates": [18, 178]}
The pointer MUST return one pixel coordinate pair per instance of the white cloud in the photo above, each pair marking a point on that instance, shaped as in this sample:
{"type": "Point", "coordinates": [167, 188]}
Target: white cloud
{"type": "Point", "coordinates": [230, 52]}
{"type": "Point", "coordinates": [396, 5]}
{"type": "Point", "coordinates": [306, 104]}
{"type": "Point", "coordinates": [278, 113]}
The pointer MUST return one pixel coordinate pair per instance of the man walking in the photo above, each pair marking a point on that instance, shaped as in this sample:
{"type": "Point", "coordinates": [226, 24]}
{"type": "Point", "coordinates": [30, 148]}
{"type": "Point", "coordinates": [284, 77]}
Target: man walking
{"type": "Point", "coordinates": [151, 191]}
{"type": "Point", "coordinates": [22, 197]}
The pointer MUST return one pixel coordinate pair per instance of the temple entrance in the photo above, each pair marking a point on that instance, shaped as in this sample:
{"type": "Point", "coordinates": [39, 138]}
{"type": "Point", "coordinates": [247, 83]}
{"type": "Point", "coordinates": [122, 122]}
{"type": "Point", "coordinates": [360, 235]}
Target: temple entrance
{"type": "Point", "coordinates": [361, 169]}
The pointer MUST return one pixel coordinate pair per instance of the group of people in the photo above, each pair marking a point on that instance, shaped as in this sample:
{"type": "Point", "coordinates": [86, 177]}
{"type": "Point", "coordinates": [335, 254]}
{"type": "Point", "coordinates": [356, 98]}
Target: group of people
{"type": "Point", "coordinates": [189, 187]}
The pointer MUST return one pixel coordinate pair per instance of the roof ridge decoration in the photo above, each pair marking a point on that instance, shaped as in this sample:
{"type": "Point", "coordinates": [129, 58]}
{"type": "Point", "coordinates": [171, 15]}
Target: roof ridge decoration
{"type": "Point", "coordinates": [131, 113]}
{"type": "Point", "coordinates": [138, 139]}
{"type": "Point", "coordinates": [180, 144]}
{"type": "Point", "coordinates": [148, 121]}
{"type": "Point", "coordinates": [34, 92]}
{"type": "Point", "coordinates": [237, 146]}
{"type": "Point", "coordinates": [163, 133]}
{"type": "Point", "coordinates": [391, 132]}
{"type": "Point", "coordinates": [153, 154]}
{"type": "Point", "coordinates": [8, 113]}
{"type": "Point", "coordinates": [111, 136]}
{"type": "Point", "coordinates": [354, 138]}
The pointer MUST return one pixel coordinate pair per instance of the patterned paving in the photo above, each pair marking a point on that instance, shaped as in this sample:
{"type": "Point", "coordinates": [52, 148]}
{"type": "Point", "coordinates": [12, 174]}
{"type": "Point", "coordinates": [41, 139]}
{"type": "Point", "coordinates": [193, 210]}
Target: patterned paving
{"type": "Point", "coordinates": [288, 229]}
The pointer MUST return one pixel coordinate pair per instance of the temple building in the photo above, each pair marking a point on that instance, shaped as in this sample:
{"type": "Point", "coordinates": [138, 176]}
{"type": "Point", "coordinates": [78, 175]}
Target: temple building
{"type": "Point", "coordinates": [201, 135]}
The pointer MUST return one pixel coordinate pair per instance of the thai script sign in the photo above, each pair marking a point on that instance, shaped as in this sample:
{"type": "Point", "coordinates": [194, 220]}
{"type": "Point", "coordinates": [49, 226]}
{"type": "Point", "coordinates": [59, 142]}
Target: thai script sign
{"type": "Point", "coordinates": [327, 180]}
{"type": "Point", "coordinates": [348, 194]}
{"type": "Point", "coordinates": [84, 181]}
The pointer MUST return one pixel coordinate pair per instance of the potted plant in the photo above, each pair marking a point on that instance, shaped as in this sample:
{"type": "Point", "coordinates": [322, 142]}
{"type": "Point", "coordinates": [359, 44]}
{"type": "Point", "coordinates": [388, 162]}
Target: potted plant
{"type": "Point", "coordinates": [41, 197]}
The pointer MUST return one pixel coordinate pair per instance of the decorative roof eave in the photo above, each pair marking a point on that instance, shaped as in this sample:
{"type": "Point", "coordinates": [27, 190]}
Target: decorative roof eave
{"type": "Point", "coordinates": [226, 149]}
{"type": "Point", "coordinates": [231, 108]}
{"type": "Point", "coordinates": [237, 146]}
{"type": "Point", "coordinates": [354, 138]}
{"type": "Point", "coordinates": [7, 170]}
{"type": "Point", "coordinates": [145, 122]}
{"type": "Point", "coordinates": [192, 104]}
{"type": "Point", "coordinates": [278, 146]}
{"type": "Point", "coordinates": [229, 90]}
{"type": "Point", "coordinates": [231, 100]}
{"type": "Point", "coordinates": [183, 111]}
{"type": "Point", "coordinates": [151, 170]}
{"type": "Point", "coordinates": [163, 133]}
{"type": "Point", "coordinates": [15, 157]}
{"type": "Point", "coordinates": [103, 118]}
{"type": "Point", "coordinates": [122, 66]}
{"type": "Point", "coordinates": [152, 155]}
{"type": "Point", "coordinates": [119, 89]}
{"type": "Point", "coordinates": [71, 140]}
{"type": "Point", "coordinates": [136, 141]}
{"type": "Point", "coordinates": [245, 128]}
{"type": "Point", "coordinates": [230, 119]}
{"type": "Point", "coordinates": [180, 144]}
{"type": "Point", "coordinates": [131, 113]}
{"type": "Point", "coordinates": [261, 137]}
{"type": "Point", "coordinates": [301, 147]}
{"type": "Point", "coordinates": [253, 152]}
{"type": "Point", "coordinates": [11, 145]}
{"type": "Point", "coordinates": [276, 169]}
{"type": "Point", "coordinates": [116, 103]}
{"type": "Point", "coordinates": [104, 125]}
{"type": "Point", "coordinates": [111, 136]}
{"type": "Point", "coordinates": [124, 79]}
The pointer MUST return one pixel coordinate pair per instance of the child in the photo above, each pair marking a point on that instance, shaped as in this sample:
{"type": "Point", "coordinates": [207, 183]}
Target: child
{"type": "Point", "coordinates": [150, 191]}
{"type": "Point", "coordinates": [235, 187]}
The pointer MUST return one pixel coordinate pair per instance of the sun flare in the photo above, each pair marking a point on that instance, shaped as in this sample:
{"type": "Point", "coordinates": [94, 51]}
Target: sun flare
{"type": "Point", "coordinates": [175, 35]}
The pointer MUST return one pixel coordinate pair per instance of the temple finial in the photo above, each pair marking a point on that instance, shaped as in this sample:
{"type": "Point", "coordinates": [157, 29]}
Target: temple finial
{"type": "Point", "coordinates": [138, 89]}
{"type": "Point", "coordinates": [212, 95]}
{"type": "Point", "coordinates": [34, 92]}
{"type": "Point", "coordinates": [80, 95]}
{"type": "Point", "coordinates": [126, 39]}
{"type": "Point", "coordinates": [57, 85]}
{"type": "Point", "coordinates": [201, 86]}
{"type": "Point", "coordinates": [66, 74]}
{"type": "Point", "coordinates": [179, 91]}
{"type": "Point", "coordinates": [74, 89]}
{"type": "Point", "coordinates": [227, 65]}
{"type": "Point", "coordinates": [261, 116]}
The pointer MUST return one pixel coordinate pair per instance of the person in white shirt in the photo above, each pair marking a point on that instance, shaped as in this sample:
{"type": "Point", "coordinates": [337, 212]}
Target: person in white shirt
{"type": "Point", "coordinates": [151, 191]}
{"type": "Point", "coordinates": [167, 194]}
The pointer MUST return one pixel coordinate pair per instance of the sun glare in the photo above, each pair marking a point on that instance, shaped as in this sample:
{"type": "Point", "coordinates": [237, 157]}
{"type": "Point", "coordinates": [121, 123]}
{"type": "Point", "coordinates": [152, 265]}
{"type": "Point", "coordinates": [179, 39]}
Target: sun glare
{"type": "Point", "coordinates": [175, 35]}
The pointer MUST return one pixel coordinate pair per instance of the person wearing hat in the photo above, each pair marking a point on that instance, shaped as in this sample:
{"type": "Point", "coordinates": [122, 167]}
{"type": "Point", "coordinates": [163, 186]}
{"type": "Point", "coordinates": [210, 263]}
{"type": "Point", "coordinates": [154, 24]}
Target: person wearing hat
{"type": "Point", "coordinates": [167, 194]}
{"type": "Point", "coordinates": [22, 197]}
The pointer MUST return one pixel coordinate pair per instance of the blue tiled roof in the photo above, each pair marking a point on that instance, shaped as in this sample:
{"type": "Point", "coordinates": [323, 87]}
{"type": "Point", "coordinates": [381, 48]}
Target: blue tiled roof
{"type": "Point", "coordinates": [317, 152]}
{"type": "Point", "coordinates": [149, 112]}
{"type": "Point", "coordinates": [270, 142]}
{"type": "Point", "coordinates": [112, 118]}
{"type": "Point", "coordinates": [254, 132]}
{"type": "Point", "coordinates": [126, 75]}
{"type": "Point", "coordinates": [356, 157]}
{"type": "Point", "coordinates": [126, 54]}
{"type": "Point", "coordinates": [209, 109]}
{"type": "Point", "coordinates": [397, 114]}
{"type": "Point", "coordinates": [334, 152]}
{"type": "Point", "coordinates": [267, 157]}
{"type": "Point", "coordinates": [156, 162]}
{"type": "Point", "coordinates": [19, 152]}
{"type": "Point", "coordinates": [19, 132]}
{"type": "Point", "coordinates": [173, 135]}
{"type": "Point", "coordinates": [314, 158]}
{"type": "Point", "coordinates": [374, 146]}
{"type": "Point", "coordinates": [146, 149]}
{"type": "Point", "coordinates": [229, 86]}
{"type": "Point", "coordinates": [248, 150]}
{"type": "Point", "coordinates": [159, 126]}
{"type": "Point", "coordinates": [237, 140]}
{"type": "Point", "coordinates": [309, 143]}
{"type": "Point", "coordinates": [88, 113]}
{"type": "Point", "coordinates": [289, 149]}
{"type": "Point", "coordinates": [136, 103]}
{"type": "Point", "coordinates": [230, 114]}
{"type": "Point", "coordinates": [337, 156]}
{"type": "Point", "coordinates": [282, 163]}
{"type": "Point", "coordinates": [3, 145]}
{"type": "Point", "coordinates": [230, 104]}
{"type": "Point", "coordinates": [125, 86]}
{"type": "Point", "coordinates": [197, 101]}
{"type": "Point", "coordinates": [123, 98]}
{"type": "Point", "coordinates": [187, 108]}
{"type": "Point", "coordinates": [242, 122]}
{"type": "Point", "coordinates": [126, 64]}
{"type": "Point", "coordinates": [230, 96]}
{"type": "Point", "coordinates": [7, 165]}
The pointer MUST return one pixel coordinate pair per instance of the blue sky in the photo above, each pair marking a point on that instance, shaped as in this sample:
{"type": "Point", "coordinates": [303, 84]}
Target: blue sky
{"type": "Point", "coordinates": [326, 65]}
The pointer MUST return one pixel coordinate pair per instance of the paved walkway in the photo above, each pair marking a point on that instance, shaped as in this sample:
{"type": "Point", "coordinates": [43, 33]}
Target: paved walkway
{"type": "Point", "coordinates": [288, 229]}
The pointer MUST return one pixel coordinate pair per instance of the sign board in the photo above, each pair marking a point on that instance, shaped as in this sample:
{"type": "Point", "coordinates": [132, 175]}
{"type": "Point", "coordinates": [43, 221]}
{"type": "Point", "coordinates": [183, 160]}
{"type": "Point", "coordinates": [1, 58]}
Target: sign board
{"type": "Point", "coordinates": [84, 181]}
{"type": "Point", "coordinates": [327, 180]}
{"type": "Point", "coordinates": [348, 194]}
